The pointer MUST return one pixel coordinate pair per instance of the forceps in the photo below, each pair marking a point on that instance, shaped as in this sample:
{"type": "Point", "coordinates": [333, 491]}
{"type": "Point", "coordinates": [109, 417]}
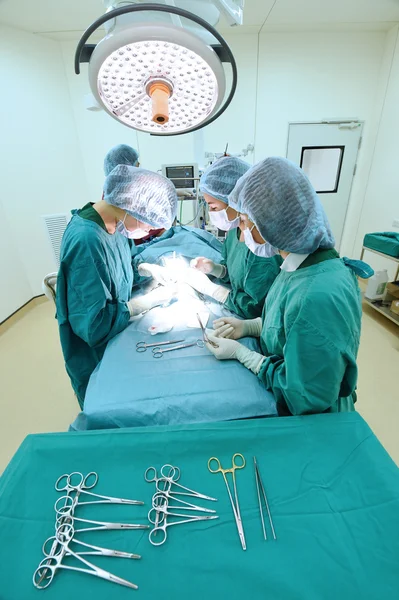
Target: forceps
{"type": "Point", "coordinates": [161, 524]}
{"type": "Point", "coordinates": [259, 487]}
{"type": "Point", "coordinates": [142, 346]}
{"type": "Point", "coordinates": [204, 336]}
{"type": "Point", "coordinates": [162, 499]}
{"type": "Point", "coordinates": [81, 486]}
{"type": "Point", "coordinates": [64, 518]}
{"type": "Point", "coordinates": [159, 352]}
{"type": "Point", "coordinates": [52, 563]}
{"type": "Point", "coordinates": [234, 504]}
{"type": "Point", "coordinates": [172, 478]}
{"type": "Point", "coordinates": [95, 550]}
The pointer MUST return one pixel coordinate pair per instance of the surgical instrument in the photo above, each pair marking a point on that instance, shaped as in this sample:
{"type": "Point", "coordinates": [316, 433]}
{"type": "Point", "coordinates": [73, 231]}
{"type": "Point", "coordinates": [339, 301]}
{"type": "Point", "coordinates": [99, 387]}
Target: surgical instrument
{"type": "Point", "coordinates": [204, 336]}
{"type": "Point", "coordinates": [164, 524]}
{"type": "Point", "coordinates": [173, 481]}
{"type": "Point", "coordinates": [82, 486]}
{"type": "Point", "coordinates": [235, 505]}
{"type": "Point", "coordinates": [66, 519]}
{"type": "Point", "coordinates": [52, 563]}
{"type": "Point", "coordinates": [159, 352]}
{"type": "Point", "coordinates": [260, 488]}
{"type": "Point", "coordinates": [142, 346]}
{"type": "Point", "coordinates": [95, 550]}
{"type": "Point", "coordinates": [186, 505]}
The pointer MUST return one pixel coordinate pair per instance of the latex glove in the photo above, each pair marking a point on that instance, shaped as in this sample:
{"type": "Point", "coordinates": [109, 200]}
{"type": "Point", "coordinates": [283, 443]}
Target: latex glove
{"type": "Point", "coordinates": [229, 349]}
{"type": "Point", "coordinates": [207, 266]}
{"type": "Point", "coordinates": [159, 296]}
{"type": "Point", "coordinates": [161, 274]}
{"type": "Point", "coordinates": [200, 282]}
{"type": "Point", "coordinates": [234, 329]}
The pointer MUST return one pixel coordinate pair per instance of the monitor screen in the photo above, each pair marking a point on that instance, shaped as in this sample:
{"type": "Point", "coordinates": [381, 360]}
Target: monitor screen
{"type": "Point", "coordinates": [181, 177]}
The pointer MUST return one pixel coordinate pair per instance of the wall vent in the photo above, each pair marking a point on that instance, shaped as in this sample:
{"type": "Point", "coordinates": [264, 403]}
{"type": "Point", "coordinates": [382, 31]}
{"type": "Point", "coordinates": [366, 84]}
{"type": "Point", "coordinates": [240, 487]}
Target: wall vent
{"type": "Point", "coordinates": [55, 227]}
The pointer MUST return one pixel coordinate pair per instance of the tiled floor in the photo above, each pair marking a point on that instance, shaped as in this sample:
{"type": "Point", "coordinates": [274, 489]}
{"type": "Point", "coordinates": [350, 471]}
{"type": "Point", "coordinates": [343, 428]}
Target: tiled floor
{"type": "Point", "coordinates": [36, 395]}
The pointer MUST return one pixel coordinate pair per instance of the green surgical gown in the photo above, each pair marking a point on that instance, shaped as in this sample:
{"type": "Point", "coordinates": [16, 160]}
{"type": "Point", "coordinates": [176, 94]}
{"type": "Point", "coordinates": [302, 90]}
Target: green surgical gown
{"type": "Point", "coordinates": [310, 336]}
{"type": "Point", "coordinates": [94, 283]}
{"type": "Point", "coordinates": [250, 276]}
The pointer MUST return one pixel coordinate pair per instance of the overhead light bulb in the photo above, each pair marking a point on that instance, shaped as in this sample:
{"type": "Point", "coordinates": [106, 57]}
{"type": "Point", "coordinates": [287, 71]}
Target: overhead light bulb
{"type": "Point", "coordinates": [156, 77]}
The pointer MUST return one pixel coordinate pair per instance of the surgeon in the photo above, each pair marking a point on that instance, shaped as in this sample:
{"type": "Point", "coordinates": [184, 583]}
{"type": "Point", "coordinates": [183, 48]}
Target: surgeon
{"type": "Point", "coordinates": [95, 277]}
{"type": "Point", "coordinates": [310, 330]}
{"type": "Point", "coordinates": [248, 267]}
{"type": "Point", "coordinates": [122, 154]}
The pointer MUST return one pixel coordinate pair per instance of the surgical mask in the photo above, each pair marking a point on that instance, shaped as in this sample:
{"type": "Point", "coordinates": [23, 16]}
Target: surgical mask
{"type": "Point", "coordinates": [263, 250]}
{"type": "Point", "coordinates": [132, 235]}
{"type": "Point", "coordinates": [220, 219]}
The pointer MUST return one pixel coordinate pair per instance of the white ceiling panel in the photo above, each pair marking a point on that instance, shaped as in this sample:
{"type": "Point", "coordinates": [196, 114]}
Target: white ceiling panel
{"type": "Point", "coordinates": [67, 19]}
{"type": "Point", "coordinates": [334, 11]}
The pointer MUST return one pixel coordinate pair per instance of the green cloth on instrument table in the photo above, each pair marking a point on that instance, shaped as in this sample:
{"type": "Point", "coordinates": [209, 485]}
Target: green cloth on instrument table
{"type": "Point", "coordinates": [250, 276]}
{"type": "Point", "coordinates": [94, 283]}
{"type": "Point", "coordinates": [332, 488]}
{"type": "Point", "coordinates": [310, 336]}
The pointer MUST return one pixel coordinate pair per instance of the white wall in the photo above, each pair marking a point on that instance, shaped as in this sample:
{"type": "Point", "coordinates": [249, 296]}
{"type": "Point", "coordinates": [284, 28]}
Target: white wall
{"type": "Point", "coordinates": [381, 201]}
{"type": "Point", "coordinates": [39, 157]}
{"type": "Point", "coordinates": [15, 288]}
{"type": "Point", "coordinates": [310, 76]}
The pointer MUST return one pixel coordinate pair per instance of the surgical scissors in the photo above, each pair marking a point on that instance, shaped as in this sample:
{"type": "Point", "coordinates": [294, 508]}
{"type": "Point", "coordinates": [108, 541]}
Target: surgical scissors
{"type": "Point", "coordinates": [142, 346]}
{"type": "Point", "coordinates": [64, 518]}
{"type": "Point", "coordinates": [54, 562]}
{"type": "Point", "coordinates": [235, 505]}
{"type": "Point", "coordinates": [164, 524]}
{"type": "Point", "coordinates": [159, 352]}
{"type": "Point", "coordinates": [172, 480]}
{"type": "Point", "coordinates": [204, 336]}
{"type": "Point", "coordinates": [81, 486]}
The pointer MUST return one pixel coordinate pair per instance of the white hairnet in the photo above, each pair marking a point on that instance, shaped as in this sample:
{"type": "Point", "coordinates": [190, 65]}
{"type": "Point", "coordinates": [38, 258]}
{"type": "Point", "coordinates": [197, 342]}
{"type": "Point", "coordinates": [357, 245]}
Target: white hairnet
{"type": "Point", "coordinates": [220, 178]}
{"type": "Point", "coordinates": [147, 196]}
{"type": "Point", "coordinates": [280, 200]}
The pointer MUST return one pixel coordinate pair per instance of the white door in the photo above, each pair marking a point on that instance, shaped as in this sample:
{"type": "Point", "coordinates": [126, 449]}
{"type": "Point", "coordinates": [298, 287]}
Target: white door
{"type": "Point", "coordinates": [327, 152]}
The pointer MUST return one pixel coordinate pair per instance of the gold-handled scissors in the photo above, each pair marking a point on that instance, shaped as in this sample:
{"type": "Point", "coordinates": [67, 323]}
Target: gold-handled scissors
{"type": "Point", "coordinates": [234, 503]}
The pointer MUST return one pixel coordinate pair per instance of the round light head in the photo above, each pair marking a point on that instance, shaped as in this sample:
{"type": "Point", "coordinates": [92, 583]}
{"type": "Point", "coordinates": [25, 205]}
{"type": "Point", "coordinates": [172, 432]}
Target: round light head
{"type": "Point", "coordinates": [126, 62]}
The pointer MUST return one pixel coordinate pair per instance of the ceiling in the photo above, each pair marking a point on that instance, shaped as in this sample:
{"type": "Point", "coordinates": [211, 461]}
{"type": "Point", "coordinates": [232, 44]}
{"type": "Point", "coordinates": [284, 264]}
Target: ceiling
{"type": "Point", "coordinates": [67, 19]}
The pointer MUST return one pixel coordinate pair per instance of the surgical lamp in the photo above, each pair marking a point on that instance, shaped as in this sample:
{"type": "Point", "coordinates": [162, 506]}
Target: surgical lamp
{"type": "Point", "coordinates": [157, 77]}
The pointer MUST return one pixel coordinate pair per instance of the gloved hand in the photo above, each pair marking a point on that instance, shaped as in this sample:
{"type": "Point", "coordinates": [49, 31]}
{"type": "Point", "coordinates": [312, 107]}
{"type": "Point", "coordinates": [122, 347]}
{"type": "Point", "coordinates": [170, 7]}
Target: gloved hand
{"type": "Point", "coordinates": [161, 274]}
{"type": "Point", "coordinates": [207, 266]}
{"type": "Point", "coordinates": [229, 349]}
{"type": "Point", "coordinates": [200, 282]}
{"type": "Point", "coordinates": [234, 329]}
{"type": "Point", "coordinates": [161, 295]}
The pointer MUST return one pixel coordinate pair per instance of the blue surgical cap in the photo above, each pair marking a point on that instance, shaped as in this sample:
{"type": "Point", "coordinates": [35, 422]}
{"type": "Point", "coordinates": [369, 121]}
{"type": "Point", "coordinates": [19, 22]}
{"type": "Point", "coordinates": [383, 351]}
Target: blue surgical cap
{"type": "Point", "coordinates": [147, 196]}
{"type": "Point", "coordinates": [120, 155]}
{"type": "Point", "coordinates": [220, 178]}
{"type": "Point", "coordinates": [279, 198]}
